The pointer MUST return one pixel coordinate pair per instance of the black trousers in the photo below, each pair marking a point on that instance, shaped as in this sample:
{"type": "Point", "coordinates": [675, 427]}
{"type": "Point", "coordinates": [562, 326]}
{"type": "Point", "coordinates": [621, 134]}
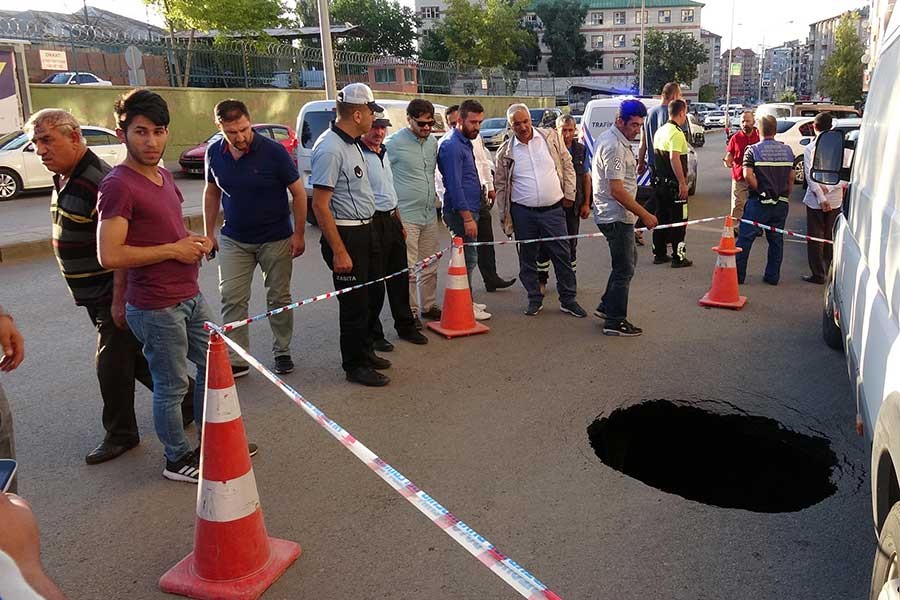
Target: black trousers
{"type": "Point", "coordinates": [120, 362]}
{"type": "Point", "coordinates": [487, 258]}
{"type": "Point", "coordinates": [820, 224]}
{"type": "Point", "coordinates": [573, 222]}
{"type": "Point", "coordinates": [389, 256]}
{"type": "Point", "coordinates": [669, 209]}
{"type": "Point", "coordinates": [355, 339]}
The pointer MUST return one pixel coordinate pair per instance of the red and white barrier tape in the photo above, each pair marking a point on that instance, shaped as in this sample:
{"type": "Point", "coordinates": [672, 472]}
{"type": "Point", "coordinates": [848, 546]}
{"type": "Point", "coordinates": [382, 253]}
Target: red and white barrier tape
{"type": "Point", "coordinates": [526, 584]}
{"type": "Point", "coordinates": [786, 232]}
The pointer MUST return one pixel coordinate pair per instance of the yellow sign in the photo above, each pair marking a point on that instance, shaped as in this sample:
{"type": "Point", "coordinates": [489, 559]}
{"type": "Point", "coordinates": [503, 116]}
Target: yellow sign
{"type": "Point", "coordinates": [2, 66]}
{"type": "Point", "coordinates": [736, 69]}
{"type": "Point", "coordinates": [54, 60]}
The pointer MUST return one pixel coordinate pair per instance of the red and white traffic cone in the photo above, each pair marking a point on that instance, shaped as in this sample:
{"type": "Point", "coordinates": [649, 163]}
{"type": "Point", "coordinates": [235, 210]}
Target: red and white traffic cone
{"type": "Point", "coordinates": [233, 556]}
{"type": "Point", "coordinates": [724, 290]}
{"type": "Point", "coordinates": [458, 315]}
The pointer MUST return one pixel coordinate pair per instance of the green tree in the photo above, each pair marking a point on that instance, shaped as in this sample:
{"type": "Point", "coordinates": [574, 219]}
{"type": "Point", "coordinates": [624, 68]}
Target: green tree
{"type": "Point", "coordinates": [842, 73]}
{"type": "Point", "coordinates": [707, 93]}
{"type": "Point", "coordinates": [788, 96]}
{"type": "Point", "coordinates": [562, 21]}
{"type": "Point", "coordinates": [670, 56]}
{"type": "Point", "coordinates": [226, 17]}
{"type": "Point", "coordinates": [307, 12]}
{"type": "Point", "coordinates": [388, 27]}
{"type": "Point", "coordinates": [528, 55]}
{"type": "Point", "coordinates": [487, 34]}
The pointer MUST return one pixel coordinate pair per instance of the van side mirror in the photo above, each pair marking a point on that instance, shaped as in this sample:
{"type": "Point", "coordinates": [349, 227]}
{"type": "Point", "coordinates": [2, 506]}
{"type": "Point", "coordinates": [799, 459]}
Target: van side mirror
{"type": "Point", "coordinates": [828, 159]}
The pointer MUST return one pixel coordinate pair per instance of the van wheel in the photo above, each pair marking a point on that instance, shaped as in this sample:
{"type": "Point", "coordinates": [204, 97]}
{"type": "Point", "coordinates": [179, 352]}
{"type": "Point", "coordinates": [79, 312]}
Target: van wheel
{"type": "Point", "coordinates": [831, 332]}
{"type": "Point", "coordinates": [886, 568]}
{"type": "Point", "coordinates": [799, 175]}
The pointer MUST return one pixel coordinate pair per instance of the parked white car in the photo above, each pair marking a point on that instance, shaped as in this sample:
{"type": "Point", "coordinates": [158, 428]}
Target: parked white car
{"type": "Point", "coordinates": [862, 294]}
{"type": "Point", "coordinates": [73, 78]}
{"type": "Point", "coordinates": [21, 167]}
{"type": "Point", "coordinates": [797, 132]}
{"type": "Point", "coordinates": [714, 118]}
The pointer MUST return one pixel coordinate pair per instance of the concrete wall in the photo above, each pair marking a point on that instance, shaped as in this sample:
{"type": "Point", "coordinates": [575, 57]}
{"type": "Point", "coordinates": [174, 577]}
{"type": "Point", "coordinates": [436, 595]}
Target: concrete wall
{"type": "Point", "coordinates": [191, 108]}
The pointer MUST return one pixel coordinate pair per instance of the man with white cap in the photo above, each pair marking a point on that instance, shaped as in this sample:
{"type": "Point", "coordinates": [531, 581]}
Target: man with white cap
{"type": "Point", "coordinates": [344, 204]}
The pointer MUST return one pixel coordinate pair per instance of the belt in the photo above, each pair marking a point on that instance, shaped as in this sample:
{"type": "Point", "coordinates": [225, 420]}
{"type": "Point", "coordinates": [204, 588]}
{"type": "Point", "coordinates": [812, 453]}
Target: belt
{"type": "Point", "coordinates": [541, 208]}
{"type": "Point", "coordinates": [351, 222]}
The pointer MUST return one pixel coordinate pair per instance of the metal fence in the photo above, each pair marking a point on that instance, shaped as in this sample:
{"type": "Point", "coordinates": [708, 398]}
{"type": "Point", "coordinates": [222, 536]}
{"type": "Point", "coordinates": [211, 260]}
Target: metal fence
{"type": "Point", "coordinates": [149, 57]}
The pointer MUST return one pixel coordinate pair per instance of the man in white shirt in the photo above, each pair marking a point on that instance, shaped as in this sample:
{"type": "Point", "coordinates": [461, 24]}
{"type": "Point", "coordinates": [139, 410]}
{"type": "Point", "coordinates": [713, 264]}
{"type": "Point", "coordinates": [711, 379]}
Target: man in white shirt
{"type": "Point", "coordinates": [534, 175]}
{"type": "Point", "coordinates": [823, 205]}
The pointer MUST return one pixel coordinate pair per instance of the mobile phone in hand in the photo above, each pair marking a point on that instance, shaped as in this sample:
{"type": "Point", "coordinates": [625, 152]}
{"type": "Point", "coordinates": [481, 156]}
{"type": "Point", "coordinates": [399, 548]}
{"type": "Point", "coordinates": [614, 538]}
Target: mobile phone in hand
{"type": "Point", "coordinates": [7, 472]}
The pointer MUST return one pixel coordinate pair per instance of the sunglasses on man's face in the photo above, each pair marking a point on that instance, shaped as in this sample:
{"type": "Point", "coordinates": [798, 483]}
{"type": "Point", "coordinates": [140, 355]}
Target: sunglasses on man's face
{"type": "Point", "coordinates": [424, 123]}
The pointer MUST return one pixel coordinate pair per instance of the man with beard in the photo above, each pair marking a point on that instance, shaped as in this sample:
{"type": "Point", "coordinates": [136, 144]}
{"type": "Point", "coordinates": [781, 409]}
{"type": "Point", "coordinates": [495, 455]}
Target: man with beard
{"type": "Point", "coordinates": [141, 229]}
{"type": "Point", "coordinates": [733, 159]}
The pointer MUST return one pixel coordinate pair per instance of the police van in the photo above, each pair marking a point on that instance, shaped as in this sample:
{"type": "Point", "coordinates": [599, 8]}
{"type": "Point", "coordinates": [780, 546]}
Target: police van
{"type": "Point", "coordinates": [600, 115]}
{"type": "Point", "coordinates": [862, 292]}
{"type": "Point", "coordinates": [315, 117]}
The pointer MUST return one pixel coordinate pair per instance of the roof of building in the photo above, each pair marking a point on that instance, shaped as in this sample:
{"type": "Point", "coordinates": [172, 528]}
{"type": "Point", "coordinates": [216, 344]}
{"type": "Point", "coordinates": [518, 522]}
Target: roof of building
{"type": "Point", "coordinates": [633, 4]}
{"type": "Point", "coordinates": [708, 33]}
{"type": "Point", "coordinates": [40, 21]}
{"type": "Point", "coordinates": [862, 12]}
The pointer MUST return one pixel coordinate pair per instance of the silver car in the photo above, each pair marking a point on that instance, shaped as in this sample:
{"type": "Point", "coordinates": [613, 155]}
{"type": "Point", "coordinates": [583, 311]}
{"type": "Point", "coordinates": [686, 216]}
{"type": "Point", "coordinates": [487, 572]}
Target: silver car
{"type": "Point", "coordinates": [494, 132]}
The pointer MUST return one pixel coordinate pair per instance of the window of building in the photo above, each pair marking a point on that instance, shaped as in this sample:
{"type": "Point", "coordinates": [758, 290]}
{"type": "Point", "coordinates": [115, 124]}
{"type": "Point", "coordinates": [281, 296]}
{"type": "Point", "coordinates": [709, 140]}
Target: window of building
{"type": "Point", "coordinates": [409, 76]}
{"type": "Point", "coordinates": [531, 18]}
{"type": "Point", "coordinates": [637, 17]}
{"type": "Point", "coordinates": [596, 41]}
{"type": "Point", "coordinates": [596, 18]}
{"type": "Point", "coordinates": [619, 63]}
{"type": "Point", "coordinates": [619, 40]}
{"type": "Point", "coordinates": [431, 12]}
{"type": "Point", "coordinates": [598, 64]}
{"type": "Point", "coordinates": [665, 16]}
{"type": "Point", "coordinates": [619, 17]}
{"type": "Point", "coordinates": [385, 75]}
{"type": "Point", "coordinates": [687, 15]}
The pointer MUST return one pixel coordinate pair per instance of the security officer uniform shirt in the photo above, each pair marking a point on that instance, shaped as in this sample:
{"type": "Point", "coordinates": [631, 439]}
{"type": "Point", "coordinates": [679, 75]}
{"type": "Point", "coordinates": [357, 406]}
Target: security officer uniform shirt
{"type": "Point", "coordinates": [338, 164]}
{"type": "Point", "coordinates": [613, 159]}
{"type": "Point", "coordinates": [669, 138]}
{"type": "Point", "coordinates": [773, 164]}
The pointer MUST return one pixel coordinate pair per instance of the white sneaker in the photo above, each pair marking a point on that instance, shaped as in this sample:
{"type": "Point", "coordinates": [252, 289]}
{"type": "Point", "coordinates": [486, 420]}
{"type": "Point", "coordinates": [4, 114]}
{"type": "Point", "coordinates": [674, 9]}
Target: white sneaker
{"type": "Point", "coordinates": [479, 306]}
{"type": "Point", "coordinates": [481, 314]}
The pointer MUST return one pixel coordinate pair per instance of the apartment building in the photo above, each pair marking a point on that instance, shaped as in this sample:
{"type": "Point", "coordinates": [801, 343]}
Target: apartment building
{"type": "Point", "coordinates": [880, 12]}
{"type": "Point", "coordinates": [744, 87]}
{"type": "Point", "coordinates": [821, 41]}
{"type": "Point", "coordinates": [710, 71]}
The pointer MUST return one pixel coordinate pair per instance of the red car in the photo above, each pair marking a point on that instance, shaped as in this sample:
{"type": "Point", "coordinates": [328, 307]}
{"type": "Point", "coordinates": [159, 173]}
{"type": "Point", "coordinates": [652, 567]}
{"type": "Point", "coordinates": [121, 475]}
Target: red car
{"type": "Point", "coordinates": [191, 160]}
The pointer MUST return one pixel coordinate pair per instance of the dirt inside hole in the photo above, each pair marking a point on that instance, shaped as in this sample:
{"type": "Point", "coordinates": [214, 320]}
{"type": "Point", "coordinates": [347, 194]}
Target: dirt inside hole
{"type": "Point", "coordinates": [727, 460]}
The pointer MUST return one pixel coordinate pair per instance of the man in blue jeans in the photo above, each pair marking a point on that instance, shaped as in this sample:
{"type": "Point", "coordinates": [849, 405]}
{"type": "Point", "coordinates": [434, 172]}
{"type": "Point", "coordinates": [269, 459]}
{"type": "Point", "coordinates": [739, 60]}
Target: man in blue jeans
{"type": "Point", "coordinates": [141, 229]}
{"type": "Point", "coordinates": [614, 176]}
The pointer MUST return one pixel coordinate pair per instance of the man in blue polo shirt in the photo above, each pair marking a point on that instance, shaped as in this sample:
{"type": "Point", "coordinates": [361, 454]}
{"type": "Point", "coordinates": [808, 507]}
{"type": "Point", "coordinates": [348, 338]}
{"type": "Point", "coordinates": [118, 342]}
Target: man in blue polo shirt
{"type": "Point", "coordinates": [247, 174]}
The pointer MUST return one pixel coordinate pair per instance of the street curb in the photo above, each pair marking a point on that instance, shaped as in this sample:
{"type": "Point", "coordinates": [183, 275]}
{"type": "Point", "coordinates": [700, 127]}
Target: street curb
{"type": "Point", "coordinates": [42, 246]}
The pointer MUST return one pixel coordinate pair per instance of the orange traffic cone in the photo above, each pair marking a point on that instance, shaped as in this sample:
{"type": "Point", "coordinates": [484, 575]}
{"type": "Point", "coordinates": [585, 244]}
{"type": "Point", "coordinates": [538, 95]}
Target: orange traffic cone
{"type": "Point", "coordinates": [458, 316]}
{"type": "Point", "coordinates": [724, 291]}
{"type": "Point", "coordinates": [233, 556]}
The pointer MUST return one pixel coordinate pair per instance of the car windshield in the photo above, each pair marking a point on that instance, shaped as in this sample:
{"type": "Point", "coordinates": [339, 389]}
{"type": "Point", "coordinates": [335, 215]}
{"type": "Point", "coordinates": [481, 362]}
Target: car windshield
{"type": "Point", "coordinates": [314, 124]}
{"type": "Point", "coordinates": [58, 78]}
{"type": "Point", "coordinates": [13, 141]}
{"type": "Point", "coordinates": [715, 113]}
{"type": "Point", "coordinates": [495, 123]}
{"type": "Point", "coordinates": [782, 125]}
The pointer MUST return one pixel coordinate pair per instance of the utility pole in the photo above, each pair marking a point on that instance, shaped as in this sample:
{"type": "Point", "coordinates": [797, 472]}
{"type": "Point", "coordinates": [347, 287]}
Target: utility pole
{"type": "Point", "coordinates": [86, 22]}
{"type": "Point", "coordinates": [327, 52]}
{"type": "Point", "coordinates": [728, 84]}
{"type": "Point", "coordinates": [762, 68]}
{"type": "Point", "coordinates": [641, 76]}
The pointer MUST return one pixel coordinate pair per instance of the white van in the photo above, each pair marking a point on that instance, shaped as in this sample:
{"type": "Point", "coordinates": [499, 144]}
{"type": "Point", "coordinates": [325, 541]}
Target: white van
{"type": "Point", "coordinates": [600, 115]}
{"type": "Point", "coordinates": [862, 293]}
{"type": "Point", "coordinates": [315, 117]}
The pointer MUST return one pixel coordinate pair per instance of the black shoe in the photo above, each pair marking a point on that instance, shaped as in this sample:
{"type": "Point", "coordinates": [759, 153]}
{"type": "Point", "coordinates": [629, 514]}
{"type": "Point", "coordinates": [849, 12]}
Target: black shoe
{"type": "Point", "coordinates": [383, 345]}
{"type": "Point", "coordinates": [621, 328]}
{"type": "Point", "coordinates": [497, 283]}
{"type": "Point", "coordinates": [284, 364]}
{"type": "Point", "coordinates": [186, 469]}
{"type": "Point", "coordinates": [600, 311]}
{"type": "Point", "coordinates": [661, 260]}
{"type": "Point", "coordinates": [106, 451]}
{"type": "Point", "coordinates": [376, 362]}
{"type": "Point", "coordinates": [433, 313]}
{"type": "Point", "coordinates": [239, 371]}
{"type": "Point", "coordinates": [574, 309]}
{"type": "Point", "coordinates": [680, 264]}
{"type": "Point", "coordinates": [813, 279]}
{"type": "Point", "coordinates": [769, 281]}
{"type": "Point", "coordinates": [418, 324]}
{"type": "Point", "coordinates": [413, 337]}
{"type": "Point", "coordinates": [534, 308]}
{"type": "Point", "coordinates": [367, 376]}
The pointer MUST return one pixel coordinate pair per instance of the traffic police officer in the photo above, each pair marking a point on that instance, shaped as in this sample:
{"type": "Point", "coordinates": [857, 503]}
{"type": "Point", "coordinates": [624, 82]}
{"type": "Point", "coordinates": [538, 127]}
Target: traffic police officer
{"type": "Point", "coordinates": [670, 150]}
{"type": "Point", "coordinates": [768, 169]}
{"type": "Point", "coordinates": [344, 204]}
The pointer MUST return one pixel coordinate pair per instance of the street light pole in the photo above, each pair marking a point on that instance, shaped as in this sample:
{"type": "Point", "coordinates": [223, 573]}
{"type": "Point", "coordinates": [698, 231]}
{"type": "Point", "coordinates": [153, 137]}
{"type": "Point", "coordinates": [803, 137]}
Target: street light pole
{"type": "Point", "coordinates": [327, 52]}
{"type": "Point", "coordinates": [641, 76]}
{"type": "Point", "coordinates": [762, 63]}
{"type": "Point", "coordinates": [728, 84]}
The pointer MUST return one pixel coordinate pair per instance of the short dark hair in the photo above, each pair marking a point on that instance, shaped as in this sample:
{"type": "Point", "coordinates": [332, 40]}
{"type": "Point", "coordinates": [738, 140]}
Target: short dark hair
{"type": "Point", "coordinates": [418, 107]}
{"type": "Point", "coordinates": [450, 109]}
{"type": "Point", "coordinates": [230, 110]}
{"type": "Point", "coordinates": [768, 125]}
{"type": "Point", "coordinates": [470, 106]}
{"type": "Point", "coordinates": [140, 103]}
{"type": "Point", "coordinates": [670, 89]}
{"type": "Point", "coordinates": [631, 108]}
{"type": "Point", "coordinates": [677, 107]}
{"type": "Point", "coordinates": [345, 110]}
{"type": "Point", "coordinates": [823, 121]}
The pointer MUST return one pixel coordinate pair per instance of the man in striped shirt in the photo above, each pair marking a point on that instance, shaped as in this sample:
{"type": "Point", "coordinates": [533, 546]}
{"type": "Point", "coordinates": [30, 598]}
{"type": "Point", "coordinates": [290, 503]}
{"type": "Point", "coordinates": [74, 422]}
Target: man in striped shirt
{"type": "Point", "coordinates": [57, 138]}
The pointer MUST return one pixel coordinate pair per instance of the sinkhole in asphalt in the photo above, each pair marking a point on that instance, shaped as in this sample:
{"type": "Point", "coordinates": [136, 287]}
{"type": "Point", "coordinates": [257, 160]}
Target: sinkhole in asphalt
{"type": "Point", "coordinates": [726, 460]}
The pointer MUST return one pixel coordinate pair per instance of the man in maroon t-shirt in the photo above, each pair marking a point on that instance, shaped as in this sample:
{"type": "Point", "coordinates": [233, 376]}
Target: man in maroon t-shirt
{"type": "Point", "coordinates": [141, 229]}
{"type": "Point", "coordinates": [734, 158]}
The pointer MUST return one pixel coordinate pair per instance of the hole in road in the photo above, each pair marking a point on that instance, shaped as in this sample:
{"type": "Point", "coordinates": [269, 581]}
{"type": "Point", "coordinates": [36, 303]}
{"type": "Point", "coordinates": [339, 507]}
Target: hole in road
{"type": "Point", "coordinates": [725, 460]}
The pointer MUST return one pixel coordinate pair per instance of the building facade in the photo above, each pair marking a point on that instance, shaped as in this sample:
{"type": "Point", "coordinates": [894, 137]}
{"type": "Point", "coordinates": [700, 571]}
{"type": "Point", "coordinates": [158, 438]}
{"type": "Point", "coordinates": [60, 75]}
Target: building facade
{"type": "Point", "coordinates": [821, 42]}
{"type": "Point", "coordinates": [710, 71]}
{"type": "Point", "coordinates": [880, 12]}
{"type": "Point", "coordinates": [744, 87]}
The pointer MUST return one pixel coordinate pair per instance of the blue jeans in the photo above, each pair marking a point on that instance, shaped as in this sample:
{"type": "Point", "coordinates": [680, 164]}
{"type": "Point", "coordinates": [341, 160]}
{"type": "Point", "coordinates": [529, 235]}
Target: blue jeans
{"type": "Point", "coordinates": [172, 336]}
{"type": "Point", "coordinates": [773, 215]}
{"type": "Point", "coordinates": [623, 255]}
{"type": "Point", "coordinates": [529, 224]}
{"type": "Point", "coordinates": [454, 222]}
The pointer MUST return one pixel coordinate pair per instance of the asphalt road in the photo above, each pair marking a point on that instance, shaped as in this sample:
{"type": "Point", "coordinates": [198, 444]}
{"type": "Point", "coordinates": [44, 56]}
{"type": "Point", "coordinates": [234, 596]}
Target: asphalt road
{"type": "Point", "coordinates": [493, 427]}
